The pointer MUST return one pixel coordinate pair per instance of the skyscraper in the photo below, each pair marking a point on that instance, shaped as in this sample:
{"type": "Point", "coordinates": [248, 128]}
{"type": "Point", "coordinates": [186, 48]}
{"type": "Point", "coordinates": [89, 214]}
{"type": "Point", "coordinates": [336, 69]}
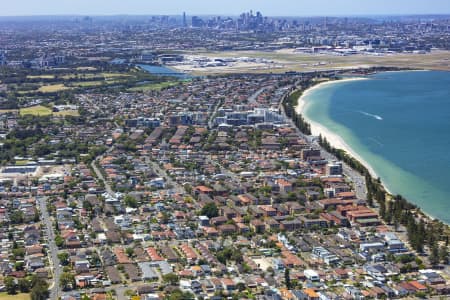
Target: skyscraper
{"type": "Point", "coordinates": [184, 20]}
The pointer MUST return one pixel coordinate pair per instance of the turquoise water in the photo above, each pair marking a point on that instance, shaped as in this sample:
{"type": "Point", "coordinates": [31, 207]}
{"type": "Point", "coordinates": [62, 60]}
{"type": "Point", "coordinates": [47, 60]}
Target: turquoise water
{"type": "Point", "coordinates": [399, 123]}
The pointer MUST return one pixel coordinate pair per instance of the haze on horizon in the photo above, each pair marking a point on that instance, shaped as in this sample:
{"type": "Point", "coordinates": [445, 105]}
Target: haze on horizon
{"type": "Point", "coordinates": [221, 7]}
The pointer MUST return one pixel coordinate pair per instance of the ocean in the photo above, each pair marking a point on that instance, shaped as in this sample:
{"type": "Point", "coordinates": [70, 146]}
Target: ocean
{"type": "Point", "coordinates": [399, 124]}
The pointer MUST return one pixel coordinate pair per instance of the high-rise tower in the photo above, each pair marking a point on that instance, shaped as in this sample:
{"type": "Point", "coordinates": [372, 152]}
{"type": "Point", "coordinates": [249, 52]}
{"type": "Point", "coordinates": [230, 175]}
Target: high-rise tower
{"type": "Point", "coordinates": [184, 20]}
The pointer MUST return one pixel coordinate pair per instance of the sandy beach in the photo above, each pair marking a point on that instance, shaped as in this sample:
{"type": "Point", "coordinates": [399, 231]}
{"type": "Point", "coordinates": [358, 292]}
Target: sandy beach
{"type": "Point", "coordinates": [316, 128]}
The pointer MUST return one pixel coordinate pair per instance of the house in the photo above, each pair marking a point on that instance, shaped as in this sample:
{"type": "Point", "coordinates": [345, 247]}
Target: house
{"type": "Point", "coordinates": [284, 185]}
{"type": "Point", "coordinates": [257, 225]}
{"type": "Point", "coordinates": [272, 225]}
{"type": "Point", "coordinates": [228, 284]}
{"type": "Point", "coordinates": [341, 274]}
{"type": "Point", "coordinates": [189, 253]}
{"type": "Point", "coordinates": [229, 213]}
{"type": "Point", "coordinates": [309, 223]}
{"type": "Point", "coordinates": [33, 249]}
{"type": "Point", "coordinates": [203, 221]}
{"type": "Point", "coordinates": [216, 221]}
{"type": "Point", "coordinates": [290, 225]}
{"type": "Point", "coordinates": [268, 210]}
{"type": "Point", "coordinates": [311, 275]}
{"type": "Point", "coordinates": [201, 189]}
{"type": "Point", "coordinates": [147, 271]}
{"type": "Point", "coordinates": [227, 229]}
{"type": "Point", "coordinates": [207, 286]}
{"type": "Point", "coordinates": [34, 263]}
{"type": "Point", "coordinates": [242, 228]}
{"type": "Point", "coordinates": [378, 272]}
{"type": "Point", "coordinates": [294, 207]}
{"type": "Point", "coordinates": [211, 231]}
{"type": "Point", "coordinates": [311, 294]}
{"type": "Point", "coordinates": [81, 266]}
{"type": "Point", "coordinates": [372, 247]}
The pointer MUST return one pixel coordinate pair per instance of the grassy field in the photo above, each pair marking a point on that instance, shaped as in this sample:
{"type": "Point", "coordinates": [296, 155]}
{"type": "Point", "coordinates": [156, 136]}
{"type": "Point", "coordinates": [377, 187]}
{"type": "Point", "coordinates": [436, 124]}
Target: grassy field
{"type": "Point", "coordinates": [114, 75]}
{"type": "Point", "coordinates": [5, 111]}
{"type": "Point", "coordinates": [87, 68]}
{"type": "Point", "coordinates": [64, 113]}
{"type": "Point", "coordinates": [53, 88]}
{"type": "Point", "coordinates": [153, 86]}
{"type": "Point", "coordinates": [37, 110]}
{"type": "Point", "coordinates": [87, 83]}
{"type": "Point", "coordinates": [79, 78]}
{"type": "Point", "coordinates": [40, 110]}
{"type": "Point", "coordinates": [21, 296]}
{"type": "Point", "coordinates": [95, 75]}
{"type": "Point", "coordinates": [41, 76]}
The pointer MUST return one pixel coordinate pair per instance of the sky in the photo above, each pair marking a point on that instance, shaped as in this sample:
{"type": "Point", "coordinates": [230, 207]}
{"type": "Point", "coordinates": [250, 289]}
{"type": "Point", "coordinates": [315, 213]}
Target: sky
{"type": "Point", "coordinates": [223, 7]}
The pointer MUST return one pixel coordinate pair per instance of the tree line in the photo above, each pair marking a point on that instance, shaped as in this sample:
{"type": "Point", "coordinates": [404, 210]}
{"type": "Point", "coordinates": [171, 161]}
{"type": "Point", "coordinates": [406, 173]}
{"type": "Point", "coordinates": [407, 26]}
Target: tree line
{"type": "Point", "coordinates": [289, 105]}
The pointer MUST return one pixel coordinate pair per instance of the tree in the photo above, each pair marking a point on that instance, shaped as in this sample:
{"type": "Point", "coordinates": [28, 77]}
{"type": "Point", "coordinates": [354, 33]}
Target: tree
{"type": "Point", "coordinates": [10, 285]}
{"type": "Point", "coordinates": [129, 251]}
{"type": "Point", "coordinates": [23, 285]}
{"type": "Point", "coordinates": [39, 290]}
{"type": "Point", "coordinates": [291, 196]}
{"type": "Point", "coordinates": [87, 205]}
{"type": "Point", "coordinates": [443, 255]}
{"type": "Point", "coordinates": [64, 258]}
{"type": "Point", "coordinates": [434, 255]}
{"type": "Point", "coordinates": [171, 278]}
{"type": "Point", "coordinates": [19, 265]}
{"type": "Point", "coordinates": [210, 210]}
{"type": "Point", "coordinates": [179, 295]}
{"type": "Point", "coordinates": [240, 286]}
{"type": "Point", "coordinates": [16, 217]}
{"type": "Point", "coordinates": [66, 280]}
{"type": "Point", "coordinates": [287, 278]}
{"type": "Point", "coordinates": [131, 201]}
{"type": "Point", "coordinates": [18, 252]}
{"type": "Point", "coordinates": [59, 241]}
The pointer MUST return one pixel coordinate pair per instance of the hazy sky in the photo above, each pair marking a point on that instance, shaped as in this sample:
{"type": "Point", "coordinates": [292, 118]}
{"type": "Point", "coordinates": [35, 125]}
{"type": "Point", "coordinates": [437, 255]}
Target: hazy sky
{"type": "Point", "coordinates": [224, 7]}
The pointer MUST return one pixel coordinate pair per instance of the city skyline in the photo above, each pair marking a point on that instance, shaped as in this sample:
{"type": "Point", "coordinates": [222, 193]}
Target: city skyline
{"type": "Point", "coordinates": [204, 7]}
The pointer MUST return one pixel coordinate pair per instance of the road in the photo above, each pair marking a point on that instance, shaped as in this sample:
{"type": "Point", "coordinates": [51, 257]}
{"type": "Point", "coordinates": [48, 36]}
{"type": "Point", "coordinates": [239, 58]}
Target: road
{"type": "Point", "coordinates": [100, 176]}
{"type": "Point", "coordinates": [52, 249]}
{"type": "Point", "coordinates": [223, 170]}
{"type": "Point", "coordinates": [161, 173]}
{"type": "Point", "coordinates": [97, 171]}
{"type": "Point", "coordinates": [252, 98]}
{"type": "Point", "coordinates": [213, 114]}
{"type": "Point", "coordinates": [358, 181]}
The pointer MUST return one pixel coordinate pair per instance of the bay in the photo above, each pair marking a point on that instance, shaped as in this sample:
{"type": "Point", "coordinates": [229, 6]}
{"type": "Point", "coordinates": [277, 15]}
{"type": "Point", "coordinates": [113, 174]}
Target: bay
{"type": "Point", "coordinates": [399, 124]}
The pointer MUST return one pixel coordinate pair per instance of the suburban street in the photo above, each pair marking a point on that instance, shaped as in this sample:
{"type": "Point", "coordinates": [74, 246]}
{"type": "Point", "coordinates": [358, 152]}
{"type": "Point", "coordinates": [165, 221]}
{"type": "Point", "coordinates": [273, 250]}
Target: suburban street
{"type": "Point", "coordinates": [100, 176]}
{"type": "Point", "coordinates": [161, 173]}
{"type": "Point", "coordinates": [52, 248]}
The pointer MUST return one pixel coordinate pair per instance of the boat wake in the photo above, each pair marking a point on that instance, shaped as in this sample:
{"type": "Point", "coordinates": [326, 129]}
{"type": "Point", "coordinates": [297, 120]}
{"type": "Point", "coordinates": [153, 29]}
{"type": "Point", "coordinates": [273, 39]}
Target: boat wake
{"type": "Point", "coordinates": [376, 141]}
{"type": "Point", "coordinates": [371, 115]}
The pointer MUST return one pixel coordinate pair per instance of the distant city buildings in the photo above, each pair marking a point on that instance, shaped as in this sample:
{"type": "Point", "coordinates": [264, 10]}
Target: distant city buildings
{"type": "Point", "coordinates": [3, 60]}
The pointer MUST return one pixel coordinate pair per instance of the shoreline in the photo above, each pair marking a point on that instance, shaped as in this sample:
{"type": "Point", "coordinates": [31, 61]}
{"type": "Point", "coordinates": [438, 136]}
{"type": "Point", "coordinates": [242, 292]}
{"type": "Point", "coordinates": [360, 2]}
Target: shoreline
{"type": "Point", "coordinates": [338, 142]}
{"type": "Point", "coordinates": [334, 139]}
